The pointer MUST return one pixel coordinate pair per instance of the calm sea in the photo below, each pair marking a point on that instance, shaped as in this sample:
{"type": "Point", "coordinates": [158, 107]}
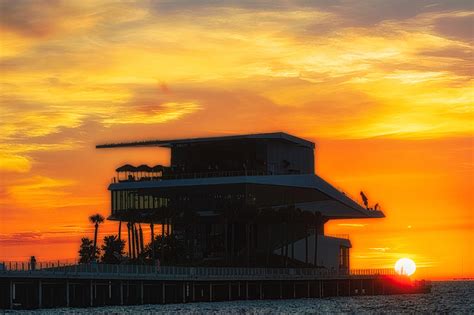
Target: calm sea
{"type": "Point", "coordinates": [446, 297]}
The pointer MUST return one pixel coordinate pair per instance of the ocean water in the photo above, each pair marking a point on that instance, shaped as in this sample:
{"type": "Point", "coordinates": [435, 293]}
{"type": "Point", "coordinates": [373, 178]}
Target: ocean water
{"type": "Point", "coordinates": [446, 297]}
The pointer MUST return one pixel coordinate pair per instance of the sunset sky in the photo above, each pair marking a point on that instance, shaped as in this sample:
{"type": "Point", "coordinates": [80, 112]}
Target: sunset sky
{"type": "Point", "coordinates": [384, 89]}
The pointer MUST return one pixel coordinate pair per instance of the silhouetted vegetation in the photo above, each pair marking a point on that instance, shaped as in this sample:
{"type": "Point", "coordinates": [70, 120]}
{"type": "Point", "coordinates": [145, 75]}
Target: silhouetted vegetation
{"type": "Point", "coordinates": [96, 219]}
{"type": "Point", "coordinates": [87, 251]}
{"type": "Point", "coordinates": [112, 250]}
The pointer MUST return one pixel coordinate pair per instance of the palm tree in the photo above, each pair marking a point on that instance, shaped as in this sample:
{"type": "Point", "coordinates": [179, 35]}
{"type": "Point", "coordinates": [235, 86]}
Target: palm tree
{"type": "Point", "coordinates": [87, 252]}
{"type": "Point", "coordinates": [112, 250]}
{"type": "Point", "coordinates": [96, 219]}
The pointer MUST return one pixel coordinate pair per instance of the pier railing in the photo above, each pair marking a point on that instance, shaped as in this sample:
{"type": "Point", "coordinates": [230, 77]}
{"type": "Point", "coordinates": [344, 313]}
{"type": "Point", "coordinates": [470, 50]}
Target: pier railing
{"type": "Point", "coordinates": [59, 268]}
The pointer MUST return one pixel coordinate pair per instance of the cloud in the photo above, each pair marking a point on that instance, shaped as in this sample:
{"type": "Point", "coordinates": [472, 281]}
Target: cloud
{"type": "Point", "coordinates": [459, 27]}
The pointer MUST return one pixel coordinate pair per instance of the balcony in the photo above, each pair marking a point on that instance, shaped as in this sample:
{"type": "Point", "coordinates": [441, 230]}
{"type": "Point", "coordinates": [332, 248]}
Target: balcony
{"type": "Point", "coordinates": [128, 173]}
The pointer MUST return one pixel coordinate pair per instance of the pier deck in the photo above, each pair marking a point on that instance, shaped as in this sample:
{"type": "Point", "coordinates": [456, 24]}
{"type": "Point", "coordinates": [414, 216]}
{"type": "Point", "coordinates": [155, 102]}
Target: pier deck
{"type": "Point", "coordinates": [90, 285]}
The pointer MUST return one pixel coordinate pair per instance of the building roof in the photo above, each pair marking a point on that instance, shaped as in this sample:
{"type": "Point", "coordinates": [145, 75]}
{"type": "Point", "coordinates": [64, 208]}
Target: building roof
{"type": "Point", "coordinates": [173, 142]}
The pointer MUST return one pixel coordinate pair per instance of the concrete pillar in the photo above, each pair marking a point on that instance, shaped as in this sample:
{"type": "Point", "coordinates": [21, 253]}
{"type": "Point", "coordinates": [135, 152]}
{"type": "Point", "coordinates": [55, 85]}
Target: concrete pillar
{"type": "Point", "coordinates": [163, 293]}
{"type": "Point", "coordinates": [281, 291]}
{"type": "Point", "coordinates": [184, 292]}
{"type": "Point", "coordinates": [91, 294]}
{"type": "Point", "coordinates": [141, 292]}
{"type": "Point", "coordinates": [194, 292]}
{"type": "Point", "coordinates": [121, 292]}
{"type": "Point", "coordinates": [210, 292]}
{"type": "Point", "coordinates": [294, 290]}
{"type": "Point", "coordinates": [12, 293]}
{"type": "Point", "coordinates": [337, 288]}
{"type": "Point", "coordinates": [239, 290]}
{"type": "Point", "coordinates": [246, 290]}
{"type": "Point", "coordinates": [40, 294]}
{"type": "Point", "coordinates": [230, 291]}
{"type": "Point", "coordinates": [308, 290]}
{"type": "Point", "coordinates": [67, 293]}
{"type": "Point", "coordinates": [261, 291]}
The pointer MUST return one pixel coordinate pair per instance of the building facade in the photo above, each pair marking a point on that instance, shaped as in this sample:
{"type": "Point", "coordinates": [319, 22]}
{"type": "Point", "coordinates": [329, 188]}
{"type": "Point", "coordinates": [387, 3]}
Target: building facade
{"type": "Point", "coordinates": [250, 200]}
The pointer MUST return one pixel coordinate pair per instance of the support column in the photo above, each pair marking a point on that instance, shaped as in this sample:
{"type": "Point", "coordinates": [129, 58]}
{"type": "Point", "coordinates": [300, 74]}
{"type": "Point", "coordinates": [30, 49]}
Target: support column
{"type": "Point", "coordinates": [292, 242]}
{"type": "Point", "coordinates": [194, 292]}
{"type": "Point", "coordinates": [306, 244]}
{"type": "Point", "coordinates": [91, 301]}
{"type": "Point", "coordinates": [40, 293]}
{"type": "Point", "coordinates": [141, 292]}
{"type": "Point", "coordinates": [121, 292]}
{"type": "Point", "coordinates": [230, 291]}
{"type": "Point", "coordinates": [232, 245]}
{"type": "Point", "coordinates": [162, 255]}
{"type": "Point", "coordinates": [317, 220]}
{"type": "Point", "coordinates": [132, 232]}
{"type": "Point", "coordinates": [184, 291]}
{"type": "Point", "coordinates": [226, 240]}
{"type": "Point", "coordinates": [210, 292]}
{"type": "Point", "coordinates": [247, 239]}
{"type": "Point", "coordinates": [281, 290]}
{"type": "Point", "coordinates": [67, 293]}
{"type": "Point", "coordinates": [163, 293]}
{"type": "Point", "coordinates": [129, 242]}
{"type": "Point", "coordinates": [246, 290]}
{"type": "Point", "coordinates": [308, 294]}
{"type": "Point", "coordinates": [12, 293]}
{"type": "Point", "coordinates": [137, 241]}
{"type": "Point", "coordinates": [140, 234]}
{"type": "Point", "coordinates": [269, 242]}
{"type": "Point", "coordinates": [152, 231]}
{"type": "Point", "coordinates": [294, 290]}
{"type": "Point", "coordinates": [261, 291]}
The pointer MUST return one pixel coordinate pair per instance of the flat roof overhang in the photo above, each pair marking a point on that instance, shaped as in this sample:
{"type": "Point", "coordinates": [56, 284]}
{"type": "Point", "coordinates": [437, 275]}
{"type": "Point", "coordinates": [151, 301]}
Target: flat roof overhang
{"type": "Point", "coordinates": [339, 205]}
{"type": "Point", "coordinates": [176, 142]}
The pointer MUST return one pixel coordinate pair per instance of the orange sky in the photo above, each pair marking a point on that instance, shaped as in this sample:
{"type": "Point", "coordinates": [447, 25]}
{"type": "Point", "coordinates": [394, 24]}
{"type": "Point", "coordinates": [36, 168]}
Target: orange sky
{"type": "Point", "coordinates": [384, 88]}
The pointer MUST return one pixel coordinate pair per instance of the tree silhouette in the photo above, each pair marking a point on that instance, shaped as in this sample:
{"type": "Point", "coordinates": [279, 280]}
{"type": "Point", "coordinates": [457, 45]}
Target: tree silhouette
{"type": "Point", "coordinates": [112, 250]}
{"type": "Point", "coordinates": [87, 253]}
{"type": "Point", "coordinates": [96, 219]}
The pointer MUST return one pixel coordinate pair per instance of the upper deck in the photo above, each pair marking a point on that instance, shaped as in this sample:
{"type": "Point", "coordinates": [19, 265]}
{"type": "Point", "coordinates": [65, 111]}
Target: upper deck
{"type": "Point", "coordinates": [262, 169]}
{"type": "Point", "coordinates": [264, 154]}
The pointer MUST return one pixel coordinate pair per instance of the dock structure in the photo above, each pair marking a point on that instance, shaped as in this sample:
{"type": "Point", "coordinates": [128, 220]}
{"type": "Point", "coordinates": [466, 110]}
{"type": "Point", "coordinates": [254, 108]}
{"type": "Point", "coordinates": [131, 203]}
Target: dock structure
{"type": "Point", "coordinates": [90, 285]}
{"type": "Point", "coordinates": [230, 218]}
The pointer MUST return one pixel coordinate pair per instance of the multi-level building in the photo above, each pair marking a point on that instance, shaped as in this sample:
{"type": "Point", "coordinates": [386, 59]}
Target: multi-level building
{"type": "Point", "coordinates": [249, 200]}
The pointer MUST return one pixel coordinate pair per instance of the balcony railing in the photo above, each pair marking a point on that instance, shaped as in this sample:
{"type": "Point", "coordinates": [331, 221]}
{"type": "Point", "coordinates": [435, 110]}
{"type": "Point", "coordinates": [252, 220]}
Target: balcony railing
{"type": "Point", "coordinates": [177, 175]}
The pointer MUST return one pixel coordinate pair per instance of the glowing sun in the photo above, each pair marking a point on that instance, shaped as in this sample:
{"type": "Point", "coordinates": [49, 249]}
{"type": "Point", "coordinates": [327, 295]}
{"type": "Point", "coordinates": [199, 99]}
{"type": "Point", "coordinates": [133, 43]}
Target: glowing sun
{"type": "Point", "coordinates": [405, 266]}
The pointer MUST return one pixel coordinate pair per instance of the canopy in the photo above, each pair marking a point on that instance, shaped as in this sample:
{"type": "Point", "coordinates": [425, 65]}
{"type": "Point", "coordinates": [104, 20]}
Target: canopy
{"type": "Point", "coordinates": [126, 168]}
{"type": "Point", "coordinates": [144, 168]}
